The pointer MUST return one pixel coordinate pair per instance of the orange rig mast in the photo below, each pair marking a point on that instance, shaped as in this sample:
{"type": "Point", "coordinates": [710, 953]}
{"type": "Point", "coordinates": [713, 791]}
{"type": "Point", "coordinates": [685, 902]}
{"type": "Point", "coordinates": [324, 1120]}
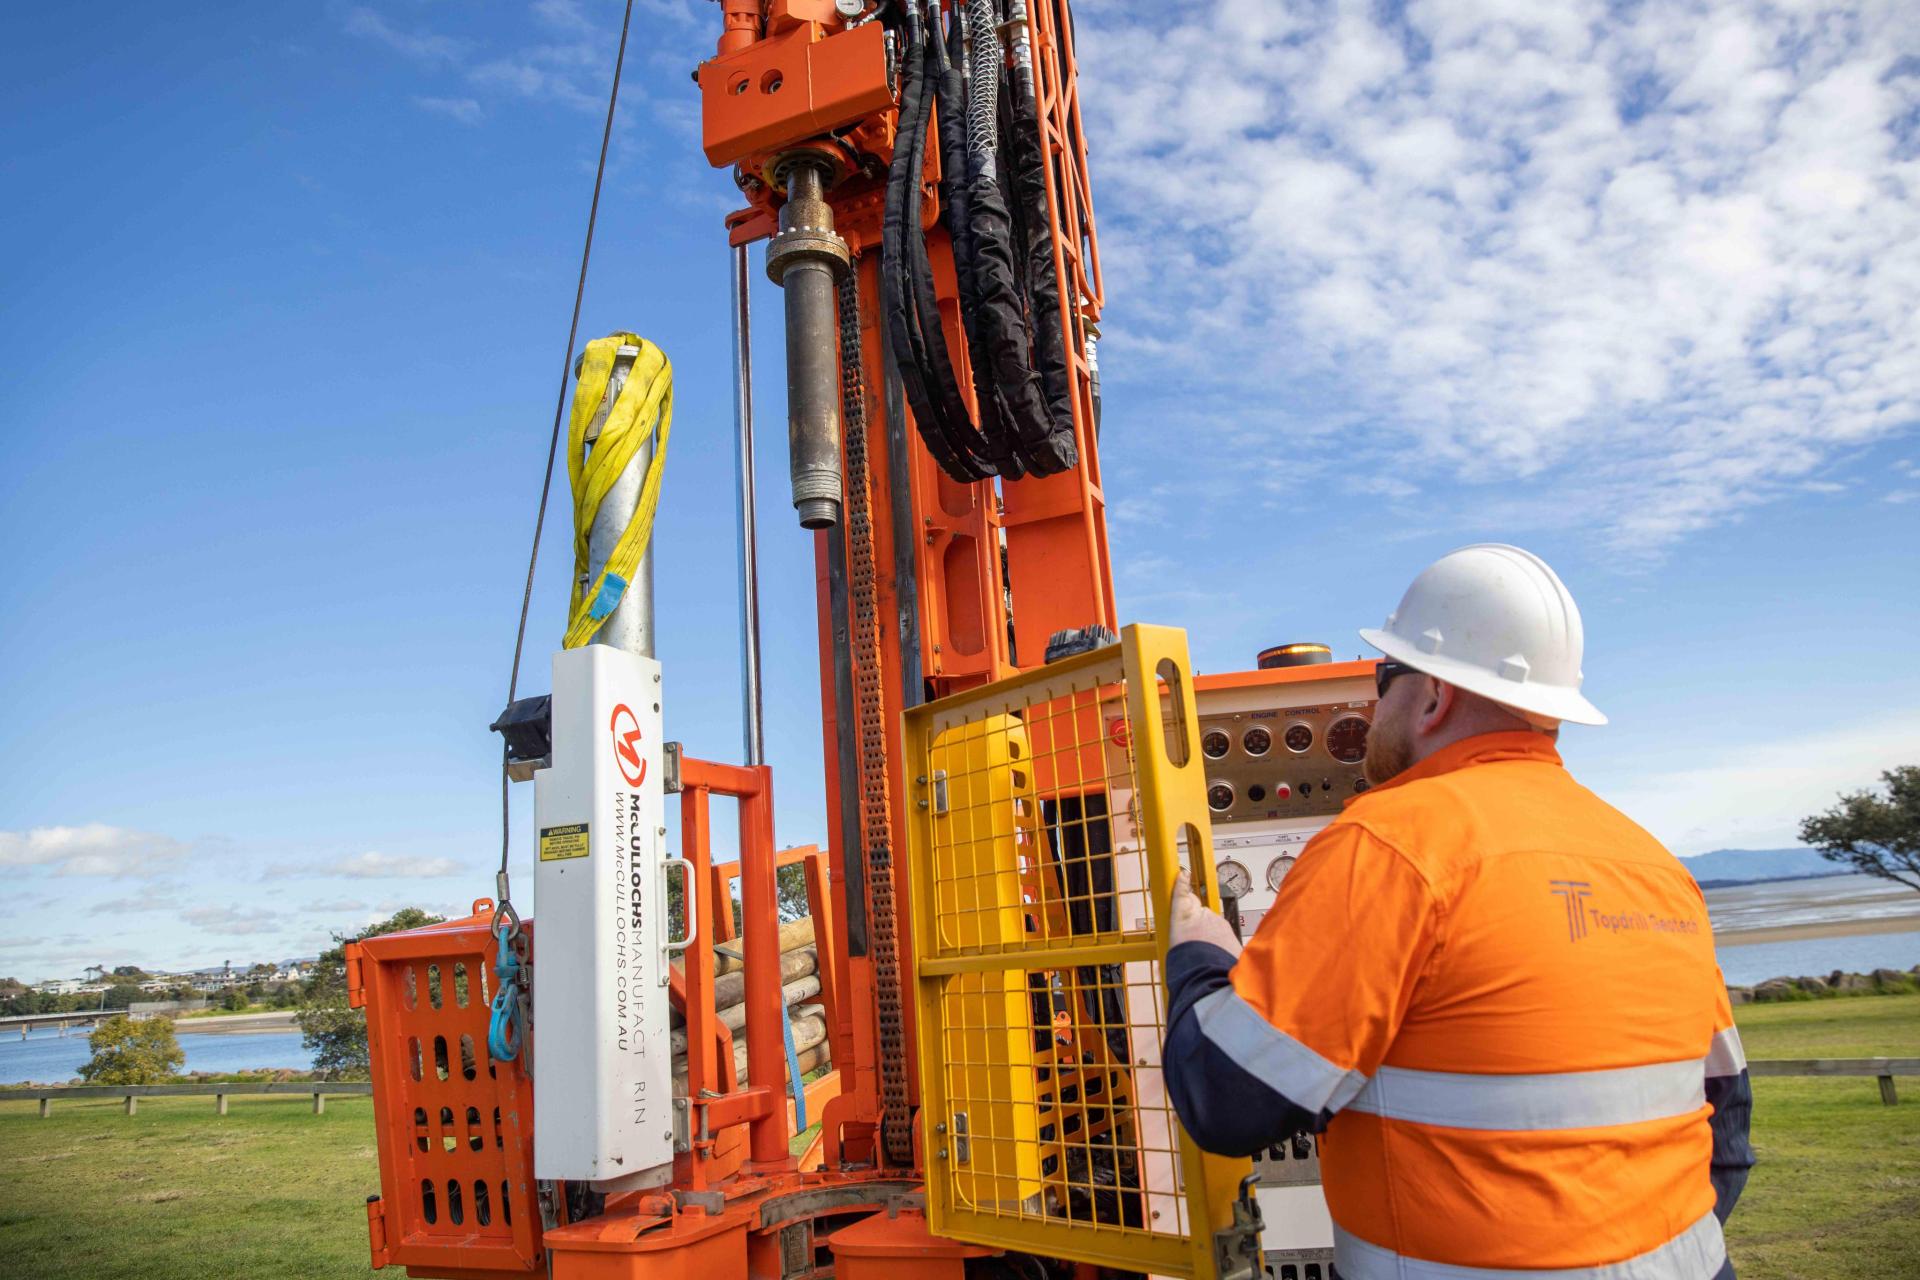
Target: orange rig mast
{"type": "Point", "coordinates": [919, 175]}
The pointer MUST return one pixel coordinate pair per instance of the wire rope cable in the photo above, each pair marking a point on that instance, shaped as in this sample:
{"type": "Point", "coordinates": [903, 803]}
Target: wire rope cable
{"type": "Point", "coordinates": [509, 933]}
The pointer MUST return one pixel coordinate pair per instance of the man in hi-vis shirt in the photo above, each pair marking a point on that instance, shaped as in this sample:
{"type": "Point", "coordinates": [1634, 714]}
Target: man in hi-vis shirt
{"type": "Point", "coordinates": [1493, 993]}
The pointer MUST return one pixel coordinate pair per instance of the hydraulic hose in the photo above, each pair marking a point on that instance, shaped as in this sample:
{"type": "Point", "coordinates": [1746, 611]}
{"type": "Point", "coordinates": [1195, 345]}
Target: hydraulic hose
{"type": "Point", "coordinates": [1028, 162]}
{"type": "Point", "coordinates": [1003, 256]}
{"type": "Point", "coordinates": [919, 347]}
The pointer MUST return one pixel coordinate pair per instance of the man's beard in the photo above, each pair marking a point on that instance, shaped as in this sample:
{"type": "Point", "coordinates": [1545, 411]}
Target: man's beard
{"type": "Point", "coordinates": [1389, 754]}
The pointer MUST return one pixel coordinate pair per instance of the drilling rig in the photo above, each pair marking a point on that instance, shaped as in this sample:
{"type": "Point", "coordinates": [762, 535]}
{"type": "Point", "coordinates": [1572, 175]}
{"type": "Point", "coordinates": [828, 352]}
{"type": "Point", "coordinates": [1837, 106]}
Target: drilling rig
{"type": "Point", "coordinates": [622, 1087]}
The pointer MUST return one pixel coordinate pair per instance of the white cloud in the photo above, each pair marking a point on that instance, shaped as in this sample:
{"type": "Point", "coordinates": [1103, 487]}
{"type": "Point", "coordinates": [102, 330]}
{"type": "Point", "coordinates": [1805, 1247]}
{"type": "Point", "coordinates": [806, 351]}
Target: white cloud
{"type": "Point", "coordinates": [1640, 269]}
{"type": "Point", "coordinates": [335, 904]}
{"type": "Point", "coordinates": [136, 902]}
{"type": "Point", "coordinates": [1753, 796]}
{"type": "Point", "coordinates": [95, 849]}
{"type": "Point", "coordinates": [463, 110]}
{"type": "Point", "coordinates": [379, 866]}
{"type": "Point", "coordinates": [425, 46]}
{"type": "Point", "coordinates": [234, 921]}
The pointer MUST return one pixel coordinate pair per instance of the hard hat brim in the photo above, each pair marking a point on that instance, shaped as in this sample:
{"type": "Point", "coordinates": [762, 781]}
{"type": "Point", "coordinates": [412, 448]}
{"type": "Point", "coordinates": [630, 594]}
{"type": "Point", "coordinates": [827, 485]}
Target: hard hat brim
{"type": "Point", "coordinates": [1551, 701]}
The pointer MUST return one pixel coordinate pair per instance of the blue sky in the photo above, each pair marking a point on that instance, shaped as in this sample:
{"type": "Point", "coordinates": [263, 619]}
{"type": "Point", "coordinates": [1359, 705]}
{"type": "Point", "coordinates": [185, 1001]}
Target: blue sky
{"type": "Point", "coordinates": [284, 297]}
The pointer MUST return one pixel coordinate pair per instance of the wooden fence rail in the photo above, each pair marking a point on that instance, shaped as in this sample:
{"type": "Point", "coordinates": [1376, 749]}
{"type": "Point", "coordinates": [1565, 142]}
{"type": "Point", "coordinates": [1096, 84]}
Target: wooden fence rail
{"type": "Point", "coordinates": [1884, 1068]}
{"type": "Point", "coordinates": [132, 1093]}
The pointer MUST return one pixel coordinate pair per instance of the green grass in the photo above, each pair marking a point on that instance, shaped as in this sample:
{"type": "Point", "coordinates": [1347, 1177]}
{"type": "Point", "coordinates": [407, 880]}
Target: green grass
{"type": "Point", "coordinates": [1836, 1195]}
{"type": "Point", "coordinates": [271, 1190]}
{"type": "Point", "coordinates": [178, 1193]}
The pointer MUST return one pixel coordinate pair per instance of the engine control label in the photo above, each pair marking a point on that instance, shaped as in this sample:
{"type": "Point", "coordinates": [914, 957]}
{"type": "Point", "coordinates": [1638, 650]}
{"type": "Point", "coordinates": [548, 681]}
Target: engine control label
{"type": "Point", "coordinates": [560, 843]}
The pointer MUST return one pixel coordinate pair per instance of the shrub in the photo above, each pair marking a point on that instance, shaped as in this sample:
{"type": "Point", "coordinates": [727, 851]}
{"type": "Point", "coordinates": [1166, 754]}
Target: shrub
{"type": "Point", "coordinates": [129, 1052]}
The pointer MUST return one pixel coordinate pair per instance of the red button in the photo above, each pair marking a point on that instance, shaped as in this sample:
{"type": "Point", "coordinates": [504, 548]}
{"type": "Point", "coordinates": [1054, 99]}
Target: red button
{"type": "Point", "coordinates": [1282, 791]}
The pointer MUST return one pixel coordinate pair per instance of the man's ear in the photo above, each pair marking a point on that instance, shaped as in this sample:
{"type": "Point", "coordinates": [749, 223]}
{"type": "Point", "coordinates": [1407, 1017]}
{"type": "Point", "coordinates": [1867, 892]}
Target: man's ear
{"type": "Point", "coordinates": [1437, 701]}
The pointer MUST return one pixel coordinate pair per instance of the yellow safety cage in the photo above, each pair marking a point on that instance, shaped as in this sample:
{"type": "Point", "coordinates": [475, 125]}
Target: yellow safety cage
{"type": "Point", "coordinates": [1050, 813]}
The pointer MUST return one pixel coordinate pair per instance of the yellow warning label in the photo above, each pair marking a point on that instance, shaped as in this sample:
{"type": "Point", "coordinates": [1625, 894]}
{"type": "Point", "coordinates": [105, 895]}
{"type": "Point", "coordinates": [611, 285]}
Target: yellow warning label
{"type": "Point", "coordinates": [558, 843]}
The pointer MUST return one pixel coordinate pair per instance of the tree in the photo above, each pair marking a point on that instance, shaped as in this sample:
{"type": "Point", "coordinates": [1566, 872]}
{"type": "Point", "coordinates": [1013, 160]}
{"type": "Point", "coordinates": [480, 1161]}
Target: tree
{"type": "Point", "coordinates": [1874, 835]}
{"type": "Point", "coordinates": [790, 888]}
{"type": "Point", "coordinates": [129, 1052]}
{"type": "Point", "coordinates": [334, 1034]}
{"type": "Point", "coordinates": [133, 971]}
{"type": "Point", "coordinates": [121, 994]}
{"type": "Point", "coordinates": [235, 999]}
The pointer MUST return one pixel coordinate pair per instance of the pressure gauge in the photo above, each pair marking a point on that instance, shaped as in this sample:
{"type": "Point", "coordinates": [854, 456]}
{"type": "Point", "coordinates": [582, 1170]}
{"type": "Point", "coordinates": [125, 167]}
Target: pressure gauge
{"type": "Point", "coordinates": [1215, 743]}
{"type": "Point", "coordinates": [1233, 879]}
{"type": "Point", "coordinates": [1298, 738]}
{"type": "Point", "coordinates": [1347, 739]}
{"type": "Point", "coordinates": [1219, 797]}
{"type": "Point", "coordinates": [1257, 741]}
{"type": "Point", "coordinates": [1277, 871]}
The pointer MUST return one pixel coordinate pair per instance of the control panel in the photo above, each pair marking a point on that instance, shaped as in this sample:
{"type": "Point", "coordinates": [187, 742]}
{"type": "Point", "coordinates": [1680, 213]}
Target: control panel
{"type": "Point", "coordinates": [1284, 762]}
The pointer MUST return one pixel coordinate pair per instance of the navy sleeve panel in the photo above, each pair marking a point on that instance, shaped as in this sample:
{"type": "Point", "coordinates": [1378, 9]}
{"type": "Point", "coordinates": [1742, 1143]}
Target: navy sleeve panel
{"type": "Point", "coordinates": [1226, 1109]}
{"type": "Point", "coordinates": [1732, 1100]}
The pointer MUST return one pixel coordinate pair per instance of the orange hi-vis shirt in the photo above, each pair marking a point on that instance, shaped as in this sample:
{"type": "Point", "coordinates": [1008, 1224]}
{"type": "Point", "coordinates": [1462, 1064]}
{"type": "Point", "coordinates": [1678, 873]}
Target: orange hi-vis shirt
{"type": "Point", "coordinates": [1499, 995]}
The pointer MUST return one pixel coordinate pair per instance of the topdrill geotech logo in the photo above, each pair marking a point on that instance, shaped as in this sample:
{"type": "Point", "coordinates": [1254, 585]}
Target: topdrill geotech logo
{"type": "Point", "coordinates": [1575, 893]}
{"type": "Point", "coordinates": [1582, 916]}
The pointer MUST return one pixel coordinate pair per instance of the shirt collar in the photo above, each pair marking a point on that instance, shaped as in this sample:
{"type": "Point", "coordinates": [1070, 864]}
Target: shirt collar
{"type": "Point", "coordinates": [1484, 748]}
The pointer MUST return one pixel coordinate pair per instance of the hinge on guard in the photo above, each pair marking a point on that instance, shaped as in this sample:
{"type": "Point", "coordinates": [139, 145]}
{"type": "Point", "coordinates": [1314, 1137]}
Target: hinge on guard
{"type": "Point", "coordinates": [670, 768]}
{"type": "Point", "coordinates": [356, 990]}
{"type": "Point", "coordinates": [377, 1231]}
{"type": "Point", "coordinates": [1236, 1249]}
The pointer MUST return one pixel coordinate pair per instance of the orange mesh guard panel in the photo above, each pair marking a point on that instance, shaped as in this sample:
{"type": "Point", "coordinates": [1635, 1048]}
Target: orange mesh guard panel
{"type": "Point", "coordinates": [455, 1129]}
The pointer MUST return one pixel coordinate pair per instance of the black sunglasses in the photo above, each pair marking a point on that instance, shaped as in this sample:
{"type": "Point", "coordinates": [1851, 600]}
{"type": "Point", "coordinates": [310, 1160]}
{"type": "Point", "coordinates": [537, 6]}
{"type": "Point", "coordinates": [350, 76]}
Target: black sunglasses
{"type": "Point", "coordinates": [1385, 672]}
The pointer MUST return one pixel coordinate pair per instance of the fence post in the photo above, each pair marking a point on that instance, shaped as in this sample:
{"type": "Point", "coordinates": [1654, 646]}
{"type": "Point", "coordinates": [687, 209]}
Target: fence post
{"type": "Point", "coordinates": [46, 1107]}
{"type": "Point", "coordinates": [133, 1103]}
{"type": "Point", "coordinates": [1886, 1090]}
{"type": "Point", "coordinates": [319, 1103]}
{"type": "Point", "coordinates": [220, 1104]}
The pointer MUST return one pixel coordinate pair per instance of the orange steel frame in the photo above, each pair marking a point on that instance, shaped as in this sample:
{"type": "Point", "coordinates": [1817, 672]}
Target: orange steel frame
{"type": "Point", "coordinates": [786, 70]}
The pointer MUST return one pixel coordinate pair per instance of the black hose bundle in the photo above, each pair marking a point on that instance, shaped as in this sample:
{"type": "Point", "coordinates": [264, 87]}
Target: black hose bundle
{"type": "Point", "coordinates": [913, 316]}
{"type": "Point", "coordinates": [1030, 191]}
{"type": "Point", "coordinates": [1003, 260]}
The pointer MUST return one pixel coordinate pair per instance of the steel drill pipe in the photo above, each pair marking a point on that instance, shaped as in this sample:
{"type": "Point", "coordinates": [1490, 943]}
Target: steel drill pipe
{"type": "Point", "coordinates": [805, 259]}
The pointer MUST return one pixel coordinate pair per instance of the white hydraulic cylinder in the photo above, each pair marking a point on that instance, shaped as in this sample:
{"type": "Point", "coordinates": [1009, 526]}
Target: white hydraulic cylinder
{"type": "Point", "coordinates": [602, 1078]}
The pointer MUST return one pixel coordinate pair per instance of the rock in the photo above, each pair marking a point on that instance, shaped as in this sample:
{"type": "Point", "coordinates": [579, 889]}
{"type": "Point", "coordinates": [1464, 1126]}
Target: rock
{"type": "Point", "coordinates": [1889, 978]}
{"type": "Point", "coordinates": [1774, 989]}
{"type": "Point", "coordinates": [1739, 995]}
{"type": "Point", "coordinates": [1853, 982]}
{"type": "Point", "coordinates": [1812, 986]}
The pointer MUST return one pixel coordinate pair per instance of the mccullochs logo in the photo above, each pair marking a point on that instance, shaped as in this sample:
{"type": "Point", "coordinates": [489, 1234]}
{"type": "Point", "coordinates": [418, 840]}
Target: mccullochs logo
{"type": "Point", "coordinates": [1582, 916]}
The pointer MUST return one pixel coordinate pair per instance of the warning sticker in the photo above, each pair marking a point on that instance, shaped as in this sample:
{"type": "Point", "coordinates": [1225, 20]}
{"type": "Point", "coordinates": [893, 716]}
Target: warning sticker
{"type": "Point", "coordinates": [559, 843]}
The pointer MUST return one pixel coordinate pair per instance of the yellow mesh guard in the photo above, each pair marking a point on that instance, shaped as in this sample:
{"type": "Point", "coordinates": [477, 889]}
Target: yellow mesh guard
{"type": "Point", "coordinates": [1050, 814]}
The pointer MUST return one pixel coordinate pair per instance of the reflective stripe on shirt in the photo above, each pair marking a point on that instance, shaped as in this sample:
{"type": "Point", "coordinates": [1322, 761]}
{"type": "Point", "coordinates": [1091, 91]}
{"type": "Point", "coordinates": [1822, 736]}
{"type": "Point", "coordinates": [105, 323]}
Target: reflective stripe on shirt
{"type": "Point", "coordinates": [1726, 1057]}
{"type": "Point", "coordinates": [1695, 1254]}
{"type": "Point", "coordinates": [1561, 1100]}
{"type": "Point", "coordinates": [1272, 1056]}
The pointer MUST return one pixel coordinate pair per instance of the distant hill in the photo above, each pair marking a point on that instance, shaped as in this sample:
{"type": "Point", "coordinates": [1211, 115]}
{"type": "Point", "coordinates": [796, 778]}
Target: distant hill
{"type": "Point", "coordinates": [1724, 865]}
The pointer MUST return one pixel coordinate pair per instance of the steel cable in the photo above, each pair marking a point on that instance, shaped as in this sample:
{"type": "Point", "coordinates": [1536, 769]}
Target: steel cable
{"type": "Point", "coordinates": [503, 907]}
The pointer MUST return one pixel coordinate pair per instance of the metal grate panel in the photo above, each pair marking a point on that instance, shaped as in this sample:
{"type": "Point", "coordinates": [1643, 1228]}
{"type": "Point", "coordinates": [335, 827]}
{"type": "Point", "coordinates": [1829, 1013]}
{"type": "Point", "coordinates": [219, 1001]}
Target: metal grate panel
{"type": "Point", "coordinates": [454, 1128]}
{"type": "Point", "coordinates": [1049, 813]}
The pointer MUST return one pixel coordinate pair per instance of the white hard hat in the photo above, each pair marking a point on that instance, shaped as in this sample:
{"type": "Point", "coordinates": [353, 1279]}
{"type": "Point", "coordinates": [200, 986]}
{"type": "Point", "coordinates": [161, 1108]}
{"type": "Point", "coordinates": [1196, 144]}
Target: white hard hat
{"type": "Point", "coordinates": [1496, 621]}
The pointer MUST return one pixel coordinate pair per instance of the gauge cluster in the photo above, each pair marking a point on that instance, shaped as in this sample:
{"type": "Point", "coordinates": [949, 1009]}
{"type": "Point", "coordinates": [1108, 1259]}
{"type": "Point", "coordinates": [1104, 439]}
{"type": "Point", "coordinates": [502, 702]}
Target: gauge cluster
{"type": "Point", "coordinates": [1284, 762]}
